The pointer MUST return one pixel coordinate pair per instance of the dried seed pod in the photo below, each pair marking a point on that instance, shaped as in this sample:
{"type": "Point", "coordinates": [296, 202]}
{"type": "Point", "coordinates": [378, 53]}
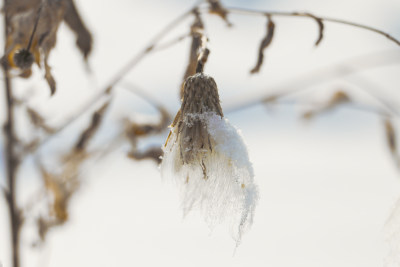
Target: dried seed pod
{"type": "Point", "coordinates": [264, 44]}
{"type": "Point", "coordinates": [200, 97]}
{"type": "Point", "coordinates": [209, 160]}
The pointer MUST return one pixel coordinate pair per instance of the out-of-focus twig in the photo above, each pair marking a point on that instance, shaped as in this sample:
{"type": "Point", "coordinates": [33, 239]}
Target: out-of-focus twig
{"type": "Point", "coordinates": [12, 163]}
{"type": "Point", "coordinates": [341, 69]}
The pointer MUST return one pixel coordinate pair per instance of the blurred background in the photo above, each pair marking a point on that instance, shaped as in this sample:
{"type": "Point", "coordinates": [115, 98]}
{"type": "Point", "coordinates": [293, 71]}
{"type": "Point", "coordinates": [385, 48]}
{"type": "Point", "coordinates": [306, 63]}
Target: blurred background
{"type": "Point", "coordinates": [328, 185]}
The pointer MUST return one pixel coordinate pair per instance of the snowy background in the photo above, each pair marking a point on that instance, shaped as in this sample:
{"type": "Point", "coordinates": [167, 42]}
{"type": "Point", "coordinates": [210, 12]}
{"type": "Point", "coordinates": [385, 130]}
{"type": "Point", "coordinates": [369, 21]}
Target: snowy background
{"type": "Point", "coordinates": [327, 186]}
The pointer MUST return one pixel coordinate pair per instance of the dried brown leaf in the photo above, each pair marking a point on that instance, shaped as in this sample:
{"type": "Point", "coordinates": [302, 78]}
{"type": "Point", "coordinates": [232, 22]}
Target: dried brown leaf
{"type": "Point", "coordinates": [153, 153]}
{"type": "Point", "coordinates": [32, 30]}
{"type": "Point", "coordinates": [320, 23]}
{"type": "Point", "coordinates": [265, 42]}
{"type": "Point", "coordinates": [135, 130]}
{"type": "Point", "coordinates": [84, 39]}
{"type": "Point", "coordinates": [217, 9]}
{"type": "Point", "coordinates": [59, 194]}
{"type": "Point", "coordinates": [92, 128]}
{"type": "Point", "coordinates": [337, 99]}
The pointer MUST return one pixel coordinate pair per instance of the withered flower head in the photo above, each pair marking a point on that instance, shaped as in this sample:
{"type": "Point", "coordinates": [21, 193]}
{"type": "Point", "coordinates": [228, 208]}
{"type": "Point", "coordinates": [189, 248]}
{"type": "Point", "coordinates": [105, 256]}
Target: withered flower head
{"type": "Point", "coordinates": [209, 160]}
{"type": "Point", "coordinates": [200, 97]}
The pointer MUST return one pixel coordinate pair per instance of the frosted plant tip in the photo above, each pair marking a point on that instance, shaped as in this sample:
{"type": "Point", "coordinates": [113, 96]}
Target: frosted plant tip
{"type": "Point", "coordinates": [208, 159]}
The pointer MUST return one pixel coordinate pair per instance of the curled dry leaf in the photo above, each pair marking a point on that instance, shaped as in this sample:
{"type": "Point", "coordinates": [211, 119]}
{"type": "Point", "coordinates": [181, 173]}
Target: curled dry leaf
{"type": "Point", "coordinates": [84, 39]}
{"type": "Point", "coordinates": [320, 28]}
{"type": "Point", "coordinates": [60, 188]}
{"type": "Point", "coordinates": [32, 31]}
{"type": "Point", "coordinates": [264, 44]}
{"type": "Point", "coordinates": [338, 98]}
{"type": "Point", "coordinates": [217, 9]}
{"type": "Point", "coordinates": [60, 195]}
{"type": "Point", "coordinates": [89, 132]}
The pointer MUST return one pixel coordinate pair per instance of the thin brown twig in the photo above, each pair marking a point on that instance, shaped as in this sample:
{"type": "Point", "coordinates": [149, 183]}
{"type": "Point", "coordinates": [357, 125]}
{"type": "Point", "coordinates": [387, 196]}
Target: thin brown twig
{"type": "Point", "coordinates": [39, 12]}
{"type": "Point", "coordinates": [170, 43]}
{"type": "Point", "coordinates": [245, 11]}
{"type": "Point", "coordinates": [12, 163]}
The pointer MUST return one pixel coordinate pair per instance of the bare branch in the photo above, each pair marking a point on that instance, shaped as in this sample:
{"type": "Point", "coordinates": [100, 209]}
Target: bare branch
{"type": "Point", "coordinates": [97, 118]}
{"type": "Point", "coordinates": [244, 11]}
{"type": "Point", "coordinates": [337, 99]}
{"type": "Point", "coordinates": [12, 162]}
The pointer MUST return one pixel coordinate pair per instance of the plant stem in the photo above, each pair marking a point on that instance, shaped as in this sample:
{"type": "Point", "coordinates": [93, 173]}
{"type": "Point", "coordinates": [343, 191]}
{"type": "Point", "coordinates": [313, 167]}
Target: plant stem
{"type": "Point", "coordinates": [11, 165]}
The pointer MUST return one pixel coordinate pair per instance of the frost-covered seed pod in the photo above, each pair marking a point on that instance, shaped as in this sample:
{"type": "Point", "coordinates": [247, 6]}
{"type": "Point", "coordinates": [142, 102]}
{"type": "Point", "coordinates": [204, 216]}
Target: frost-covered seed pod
{"type": "Point", "coordinates": [209, 160]}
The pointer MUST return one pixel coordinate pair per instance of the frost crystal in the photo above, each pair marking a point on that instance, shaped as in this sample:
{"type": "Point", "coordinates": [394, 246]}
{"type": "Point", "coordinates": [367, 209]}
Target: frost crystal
{"type": "Point", "coordinates": [209, 161]}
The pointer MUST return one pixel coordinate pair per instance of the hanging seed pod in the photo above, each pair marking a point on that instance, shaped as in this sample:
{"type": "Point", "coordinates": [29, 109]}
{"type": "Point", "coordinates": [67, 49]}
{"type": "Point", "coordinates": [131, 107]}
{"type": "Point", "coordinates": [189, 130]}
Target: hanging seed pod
{"type": "Point", "coordinates": [207, 157]}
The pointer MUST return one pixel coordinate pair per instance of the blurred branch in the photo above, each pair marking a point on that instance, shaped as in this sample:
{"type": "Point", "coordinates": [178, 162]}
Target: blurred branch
{"type": "Point", "coordinates": [349, 106]}
{"type": "Point", "coordinates": [12, 163]}
{"type": "Point", "coordinates": [97, 118]}
{"type": "Point", "coordinates": [344, 68]}
{"type": "Point", "coordinates": [170, 43]}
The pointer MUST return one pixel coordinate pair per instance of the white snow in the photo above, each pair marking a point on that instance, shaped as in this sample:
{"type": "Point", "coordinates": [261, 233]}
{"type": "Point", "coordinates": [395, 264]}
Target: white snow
{"type": "Point", "coordinates": [221, 185]}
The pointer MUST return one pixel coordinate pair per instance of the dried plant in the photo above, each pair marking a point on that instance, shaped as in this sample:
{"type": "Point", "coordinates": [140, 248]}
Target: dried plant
{"type": "Point", "coordinates": [31, 33]}
{"type": "Point", "coordinates": [203, 152]}
{"type": "Point", "coordinates": [209, 160]}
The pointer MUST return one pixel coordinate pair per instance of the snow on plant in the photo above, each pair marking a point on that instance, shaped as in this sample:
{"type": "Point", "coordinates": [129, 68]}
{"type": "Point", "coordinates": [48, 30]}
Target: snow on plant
{"type": "Point", "coordinates": [208, 159]}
